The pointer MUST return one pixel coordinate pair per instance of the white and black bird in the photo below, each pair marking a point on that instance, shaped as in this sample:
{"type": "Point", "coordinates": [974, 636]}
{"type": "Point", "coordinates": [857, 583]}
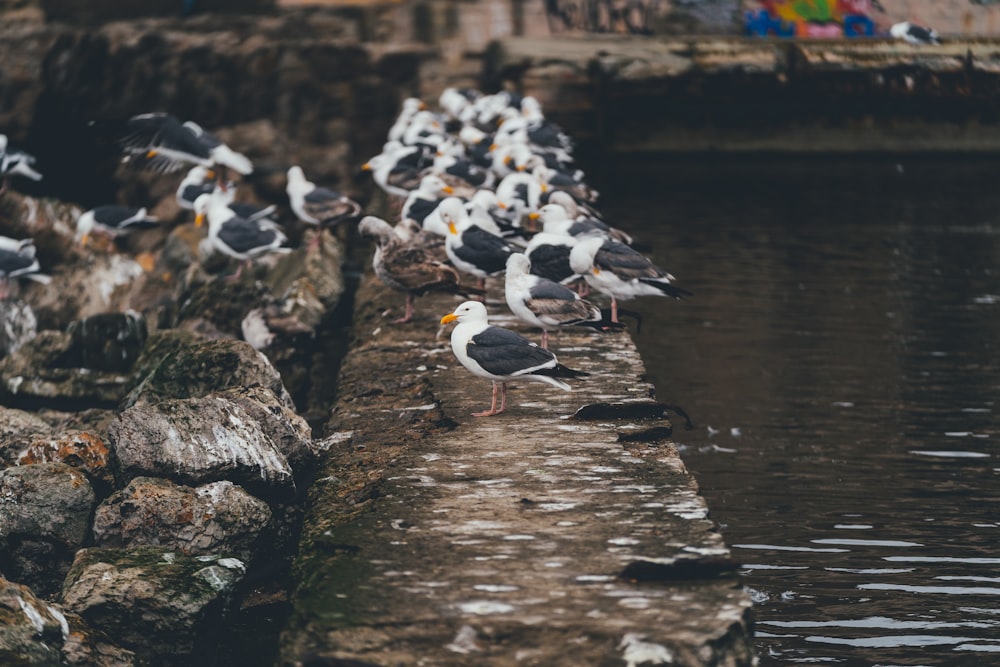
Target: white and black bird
{"type": "Point", "coordinates": [17, 260]}
{"type": "Point", "coordinates": [200, 180]}
{"type": "Point", "coordinates": [471, 248]}
{"type": "Point", "coordinates": [501, 355]}
{"type": "Point", "coordinates": [398, 169]}
{"type": "Point", "coordinates": [112, 221]}
{"type": "Point", "coordinates": [162, 143]}
{"type": "Point", "coordinates": [317, 205]}
{"type": "Point", "coordinates": [14, 162]}
{"type": "Point", "coordinates": [423, 202]}
{"type": "Point", "coordinates": [546, 304]}
{"type": "Point", "coordinates": [549, 255]}
{"type": "Point", "coordinates": [914, 34]}
{"type": "Point", "coordinates": [620, 272]}
{"type": "Point", "coordinates": [238, 237]}
{"type": "Point", "coordinates": [408, 266]}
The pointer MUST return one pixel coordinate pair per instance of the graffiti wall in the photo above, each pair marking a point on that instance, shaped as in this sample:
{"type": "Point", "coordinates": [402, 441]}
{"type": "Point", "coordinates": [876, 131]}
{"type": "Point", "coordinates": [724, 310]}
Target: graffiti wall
{"type": "Point", "coordinates": [794, 19]}
{"type": "Point", "coordinates": [811, 18]}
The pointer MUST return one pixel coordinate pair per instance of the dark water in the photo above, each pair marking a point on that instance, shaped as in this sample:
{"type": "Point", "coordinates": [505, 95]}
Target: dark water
{"type": "Point", "coordinates": [841, 362]}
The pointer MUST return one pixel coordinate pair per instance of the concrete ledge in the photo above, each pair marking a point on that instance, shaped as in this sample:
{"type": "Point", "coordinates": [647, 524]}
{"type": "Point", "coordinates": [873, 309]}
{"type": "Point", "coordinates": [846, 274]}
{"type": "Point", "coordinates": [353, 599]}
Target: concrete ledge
{"type": "Point", "coordinates": [437, 538]}
{"type": "Point", "coordinates": [630, 95]}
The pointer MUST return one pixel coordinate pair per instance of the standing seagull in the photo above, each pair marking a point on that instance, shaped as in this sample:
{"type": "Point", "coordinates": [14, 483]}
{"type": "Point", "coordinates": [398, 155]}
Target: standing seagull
{"type": "Point", "coordinates": [410, 267]}
{"type": "Point", "coordinates": [471, 248]}
{"type": "Point", "coordinates": [112, 221]}
{"type": "Point", "coordinates": [500, 355]}
{"type": "Point", "coordinates": [620, 272]}
{"type": "Point", "coordinates": [317, 205]}
{"type": "Point", "coordinates": [544, 303]}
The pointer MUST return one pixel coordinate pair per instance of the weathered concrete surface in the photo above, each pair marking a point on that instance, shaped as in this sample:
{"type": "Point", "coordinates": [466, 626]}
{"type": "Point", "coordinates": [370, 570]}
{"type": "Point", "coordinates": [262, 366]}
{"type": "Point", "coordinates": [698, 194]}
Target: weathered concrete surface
{"type": "Point", "coordinates": [730, 94]}
{"type": "Point", "coordinates": [530, 538]}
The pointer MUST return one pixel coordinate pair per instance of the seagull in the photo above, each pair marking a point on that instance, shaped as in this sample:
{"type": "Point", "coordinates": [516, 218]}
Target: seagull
{"type": "Point", "coordinates": [15, 163]}
{"type": "Point", "coordinates": [238, 237]}
{"type": "Point", "coordinates": [409, 267]}
{"type": "Point", "coordinates": [500, 355]}
{"type": "Point", "coordinates": [556, 219]}
{"type": "Point", "coordinates": [914, 34]}
{"type": "Point", "coordinates": [317, 205]}
{"type": "Point", "coordinates": [112, 221]}
{"type": "Point", "coordinates": [200, 180]}
{"type": "Point", "coordinates": [544, 303]}
{"type": "Point", "coordinates": [471, 248]}
{"type": "Point", "coordinates": [423, 201]}
{"type": "Point", "coordinates": [549, 254]}
{"type": "Point", "coordinates": [17, 260]}
{"type": "Point", "coordinates": [160, 142]}
{"type": "Point", "coordinates": [620, 272]}
{"type": "Point", "coordinates": [397, 170]}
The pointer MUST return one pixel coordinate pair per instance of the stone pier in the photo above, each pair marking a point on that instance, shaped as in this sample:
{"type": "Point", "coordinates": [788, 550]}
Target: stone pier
{"type": "Point", "coordinates": [566, 531]}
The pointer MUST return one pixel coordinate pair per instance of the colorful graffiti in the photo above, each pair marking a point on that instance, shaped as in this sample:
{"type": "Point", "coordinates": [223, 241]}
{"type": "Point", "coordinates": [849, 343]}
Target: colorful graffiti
{"type": "Point", "coordinates": [812, 18]}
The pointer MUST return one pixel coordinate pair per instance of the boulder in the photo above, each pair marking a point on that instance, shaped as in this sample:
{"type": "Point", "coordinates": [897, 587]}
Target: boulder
{"type": "Point", "coordinates": [18, 429]}
{"type": "Point", "coordinates": [81, 449]}
{"type": "Point", "coordinates": [31, 630]}
{"type": "Point", "coordinates": [197, 370]}
{"type": "Point", "coordinates": [39, 374]}
{"type": "Point", "coordinates": [45, 514]}
{"type": "Point", "coordinates": [167, 607]}
{"type": "Point", "coordinates": [199, 440]}
{"type": "Point", "coordinates": [217, 518]}
{"type": "Point", "coordinates": [17, 325]}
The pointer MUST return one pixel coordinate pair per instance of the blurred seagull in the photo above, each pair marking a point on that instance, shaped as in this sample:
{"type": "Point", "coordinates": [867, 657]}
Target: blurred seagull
{"type": "Point", "coordinates": [235, 236]}
{"type": "Point", "coordinates": [160, 142]}
{"type": "Point", "coordinates": [112, 221]}
{"type": "Point", "coordinates": [317, 205]}
{"type": "Point", "coordinates": [914, 34]}
{"type": "Point", "coordinates": [17, 260]}
{"type": "Point", "coordinates": [15, 163]}
{"type": "Point", "coordinates": [501, 355]}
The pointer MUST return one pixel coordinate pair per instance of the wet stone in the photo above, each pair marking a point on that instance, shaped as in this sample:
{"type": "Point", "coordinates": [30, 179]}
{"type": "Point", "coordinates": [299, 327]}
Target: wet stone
{"type": "Point", "coordinates": [196, 441]}
{"type": "Point", "coordinates": [107, 342]}
{"type": "Point", "coordinates": [216, 518]}
{"type": "Point", "coordinates": [44, 518]}
{"type": "Point", "coordinates": [166, 606]}
{"type": "Point", "coordinates": [513, 538]}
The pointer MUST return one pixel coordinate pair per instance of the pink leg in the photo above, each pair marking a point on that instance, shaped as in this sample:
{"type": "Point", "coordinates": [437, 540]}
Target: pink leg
{"type": "Point", "coordinates": [481, 284]}
{"type": "Point", "coordinates": [314, 244]}
{"type": "Point", "coordinates": [503, 397]}
{"type": "Point", "coordinates": [493, 406]}
{"type": "Point", "coordinates": [545, 339]}
{"type": "Point", "coordinates": [614, 310]}
{"type": "Point", "coordinates": [239, 272]}
{"type": "Point", "coordinates": [409, 311]}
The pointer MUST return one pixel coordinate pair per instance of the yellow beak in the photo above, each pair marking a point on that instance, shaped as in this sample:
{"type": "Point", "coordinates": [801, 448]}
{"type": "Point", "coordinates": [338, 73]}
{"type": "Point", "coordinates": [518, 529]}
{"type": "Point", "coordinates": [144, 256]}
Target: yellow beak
{"type": "Point", "coordinates": [597, 271]}
{"type": "Point", "coordinates": [448, 190]}
{"type": "Point", "coordinates": [534, 215]}
{"type": "Point", "coordinates": [450, 317]}
{"type": "Point", "coordinates": [452, 229]}
{"type": "Point", "coordinates": [150, 154]}
{"type": "Point", "coordinates": [366, 167]}
{"type": "Point", "coordinates": [199, 220]}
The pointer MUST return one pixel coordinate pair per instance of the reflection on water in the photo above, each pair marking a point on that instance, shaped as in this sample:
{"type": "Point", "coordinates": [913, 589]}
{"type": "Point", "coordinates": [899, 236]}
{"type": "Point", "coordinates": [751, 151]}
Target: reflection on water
{"type": "Point", "coordinates": [841, 362]}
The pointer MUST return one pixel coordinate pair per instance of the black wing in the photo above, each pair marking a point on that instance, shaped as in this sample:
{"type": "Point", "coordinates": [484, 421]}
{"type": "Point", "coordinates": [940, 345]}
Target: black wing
{"type": "Point", "coordinates": [505, 353]}
{"type": "Point", "coordinates": [486, 251]}
{"type": "Point", "coordinates": [247, 236]}
{"type": "Point", "coordinates": [552, 262]}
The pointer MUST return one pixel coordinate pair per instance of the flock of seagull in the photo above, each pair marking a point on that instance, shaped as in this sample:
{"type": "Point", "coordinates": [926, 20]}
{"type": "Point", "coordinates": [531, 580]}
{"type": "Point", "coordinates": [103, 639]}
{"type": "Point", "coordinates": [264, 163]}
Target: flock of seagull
{"type": "Point", "coordinates": [485, 187]}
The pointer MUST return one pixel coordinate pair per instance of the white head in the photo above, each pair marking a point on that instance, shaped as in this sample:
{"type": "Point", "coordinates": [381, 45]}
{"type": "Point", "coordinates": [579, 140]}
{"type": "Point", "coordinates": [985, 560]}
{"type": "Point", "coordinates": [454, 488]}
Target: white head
{"type": "Point", "coordinates": [581, 257]}
{"type": "Point", "coordinates": [432, 186]}
{"type": "Point", "coordinates": [518, 265]}
{"type": "Point", "coordinates": [453, 214]}
{"type": "Point", "coordinates": [470, 311]}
